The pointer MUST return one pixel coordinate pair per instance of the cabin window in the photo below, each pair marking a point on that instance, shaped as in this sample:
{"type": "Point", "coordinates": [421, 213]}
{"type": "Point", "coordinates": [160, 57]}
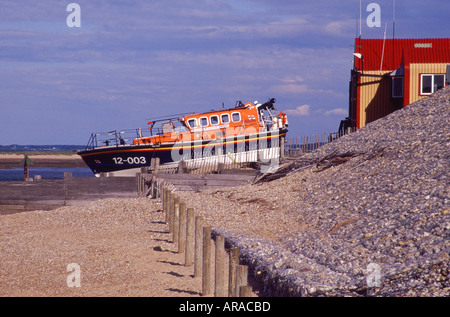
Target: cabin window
{"type": "Point", "coordinates": [397, 87]}
{"type": "Point", "coordinates": [430, 83]}
{"type": "Point", "coordinates": [236, 116]}
{"type": "Point", "coordinates": [225, 118]}
{"type": "Point", "coordinates": [192, 123]}
{"type": "Point", "coordinates": [214, 120]}
{"type": "Point", "coordinates": [203, 121]}
{"type": "Point", "coordinates": [167, 127]}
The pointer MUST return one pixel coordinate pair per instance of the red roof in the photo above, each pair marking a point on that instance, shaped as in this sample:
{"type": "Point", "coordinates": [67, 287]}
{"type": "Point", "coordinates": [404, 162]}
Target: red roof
{"type": "Point", "coordinates": [389, 53]}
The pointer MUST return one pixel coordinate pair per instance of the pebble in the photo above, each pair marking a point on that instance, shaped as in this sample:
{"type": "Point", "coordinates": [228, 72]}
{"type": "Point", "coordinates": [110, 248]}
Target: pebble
{"type": "Point", "coordinates": [315, 232]}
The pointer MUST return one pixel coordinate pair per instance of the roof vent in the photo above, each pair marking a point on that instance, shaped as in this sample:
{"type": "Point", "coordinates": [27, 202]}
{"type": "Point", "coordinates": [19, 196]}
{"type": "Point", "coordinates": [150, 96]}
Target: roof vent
{"type": "Point", "coordinates": [423, 45]}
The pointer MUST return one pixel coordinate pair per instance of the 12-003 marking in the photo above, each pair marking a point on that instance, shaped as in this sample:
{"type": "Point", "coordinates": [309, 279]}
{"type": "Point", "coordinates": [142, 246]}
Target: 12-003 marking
{"type": "Point", "coordinates": [129, 160]}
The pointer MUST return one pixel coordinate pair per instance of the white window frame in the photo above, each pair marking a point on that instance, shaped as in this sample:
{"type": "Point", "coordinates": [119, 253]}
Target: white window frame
{"type": "Point", "coordinates": [432, 83]}
{"type": "Point", "coordinates": [223, 115]}
{"type": "Point", "coordinates": [200, 122]}
{"type": "Point", "coordinates": [193, 119]}
{"type": "Point", "coordinates": [234, 114]}
{"type": "Point", "coordinates": [218, 120]}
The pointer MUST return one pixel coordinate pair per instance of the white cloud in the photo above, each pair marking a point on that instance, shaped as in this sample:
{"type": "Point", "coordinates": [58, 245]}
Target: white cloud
{"type": "Point", "coordinates": [336, 112]}
{"type": "Point", "coordinates": [292, 79]}
{"type": "Point", "coordinates": [302, 110]}
{"type": "Point", "coordinates": [305, 110]}
{"type": "Point", "coordinates": [291, 89]}
{"type": "Point", "coordinates": [339, 28]}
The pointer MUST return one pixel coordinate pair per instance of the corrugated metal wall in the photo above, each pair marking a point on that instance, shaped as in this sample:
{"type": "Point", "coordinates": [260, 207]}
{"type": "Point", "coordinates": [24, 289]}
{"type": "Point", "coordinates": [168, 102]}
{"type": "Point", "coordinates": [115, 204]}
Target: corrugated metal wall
{"type": "Point", "coordinates": [375, 94]}
{"type": "Point", "coordinates": [419, 56]}
{"type": "Point", "coordinates": [395, 50]}
{"type": "Point", "coordinates": [415, 70]}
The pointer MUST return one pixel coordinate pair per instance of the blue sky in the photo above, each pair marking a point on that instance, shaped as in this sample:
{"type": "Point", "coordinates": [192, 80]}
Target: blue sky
{"type": "Point", "coordinates": [131, 61]}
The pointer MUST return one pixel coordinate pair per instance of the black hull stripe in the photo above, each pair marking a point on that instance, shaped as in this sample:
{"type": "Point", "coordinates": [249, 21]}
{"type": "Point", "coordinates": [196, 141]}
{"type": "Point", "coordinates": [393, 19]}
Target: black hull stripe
{"type": "Point", "coordinates": [107, 159]}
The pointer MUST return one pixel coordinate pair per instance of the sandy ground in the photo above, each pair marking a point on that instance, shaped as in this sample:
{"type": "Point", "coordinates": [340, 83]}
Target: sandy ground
{"type": "Point", "coordinates": [121, 246]}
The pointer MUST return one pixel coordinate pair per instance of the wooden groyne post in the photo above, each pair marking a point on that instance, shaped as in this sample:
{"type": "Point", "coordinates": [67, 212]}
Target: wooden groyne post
{"type": "Point", "coordinates": [176, 221]}
{"type": "Point", "coordinates": [207, 279]}
{"type": "Point", "coordinates": [190, 237]}
{"type": "Point", "coordinates": [233, 263]}
{"type": "Point", "coordinates": [241, 278]}
{"type": "Point", "coordinates": [26, 165]}
{"type": "Point", "coordinates": [198, 246]}
{"type": "Point", "coordinates": [219, 286]}
{"type": "Point", "coordinates": [182, 228]}
{"type": "Point", "coordinates": [194, 239]}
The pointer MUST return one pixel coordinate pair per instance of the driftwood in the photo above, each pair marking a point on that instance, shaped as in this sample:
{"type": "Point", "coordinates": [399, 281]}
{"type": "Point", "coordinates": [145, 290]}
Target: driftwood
{"type": "Point", "coordinates": [333, 159]}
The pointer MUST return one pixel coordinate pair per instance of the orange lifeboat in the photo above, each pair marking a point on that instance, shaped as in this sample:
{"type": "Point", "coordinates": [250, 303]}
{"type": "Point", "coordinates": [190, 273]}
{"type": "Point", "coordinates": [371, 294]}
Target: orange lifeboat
{"type": "Point", "coordinates": [246, 127]}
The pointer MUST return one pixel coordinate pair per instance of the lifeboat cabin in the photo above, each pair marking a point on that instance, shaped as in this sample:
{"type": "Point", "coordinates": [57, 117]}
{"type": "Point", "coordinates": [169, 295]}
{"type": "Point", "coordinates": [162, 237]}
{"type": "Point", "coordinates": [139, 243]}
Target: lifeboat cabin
{"type": "Point", "coordinates": [244, 119]}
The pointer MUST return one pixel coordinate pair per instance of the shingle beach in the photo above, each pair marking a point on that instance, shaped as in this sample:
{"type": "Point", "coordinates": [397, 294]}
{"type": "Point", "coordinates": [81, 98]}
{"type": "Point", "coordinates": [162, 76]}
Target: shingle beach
{"type": "Point", "coordinates": [378, 224]}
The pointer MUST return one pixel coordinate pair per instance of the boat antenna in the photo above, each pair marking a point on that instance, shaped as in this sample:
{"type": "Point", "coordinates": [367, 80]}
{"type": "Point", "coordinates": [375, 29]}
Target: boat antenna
{"type": "Point", "coordinates": [393, 32]}
{"type": "Point", "coordinates": [393, 21]}
{"type": "Point", "coordinates": [360, 18]}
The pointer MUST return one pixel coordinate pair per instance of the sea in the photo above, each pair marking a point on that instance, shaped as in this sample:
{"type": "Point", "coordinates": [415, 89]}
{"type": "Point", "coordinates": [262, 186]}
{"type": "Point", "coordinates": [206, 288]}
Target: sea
{"type": "Point", "coordinates": [16, 174]}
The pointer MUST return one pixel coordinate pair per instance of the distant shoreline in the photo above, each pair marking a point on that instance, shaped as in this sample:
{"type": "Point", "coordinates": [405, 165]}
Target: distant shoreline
{"type": "Point", "coordinates": [12, 160]}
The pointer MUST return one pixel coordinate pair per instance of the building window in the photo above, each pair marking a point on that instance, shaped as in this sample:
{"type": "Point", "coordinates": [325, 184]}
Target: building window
{"type": "Point", "coordinates": [429, 83]}
{"type": "Point", "coordinates": [397, 87]}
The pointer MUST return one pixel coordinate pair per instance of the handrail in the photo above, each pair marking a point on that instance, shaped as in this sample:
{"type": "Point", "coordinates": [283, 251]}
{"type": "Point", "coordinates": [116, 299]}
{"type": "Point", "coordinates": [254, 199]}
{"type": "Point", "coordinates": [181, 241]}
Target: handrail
{"type": "Point", "coordinates": [113, 138]}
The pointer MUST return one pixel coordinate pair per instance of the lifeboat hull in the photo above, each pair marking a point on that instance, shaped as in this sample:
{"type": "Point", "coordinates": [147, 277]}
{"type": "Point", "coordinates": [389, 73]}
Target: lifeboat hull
{"type": "Point", "coordinates": [128, 159]}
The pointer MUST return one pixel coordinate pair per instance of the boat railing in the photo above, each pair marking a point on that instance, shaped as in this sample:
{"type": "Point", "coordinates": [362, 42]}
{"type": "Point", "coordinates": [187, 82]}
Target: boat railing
{"type": "Point", "coordinates": [113, 138]}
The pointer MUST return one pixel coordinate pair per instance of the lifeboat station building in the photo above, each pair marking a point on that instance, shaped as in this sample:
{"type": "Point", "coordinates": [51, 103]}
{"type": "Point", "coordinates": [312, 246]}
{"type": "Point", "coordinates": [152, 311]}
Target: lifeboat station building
{"type": "Point", "coordinates": [389, 74]}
